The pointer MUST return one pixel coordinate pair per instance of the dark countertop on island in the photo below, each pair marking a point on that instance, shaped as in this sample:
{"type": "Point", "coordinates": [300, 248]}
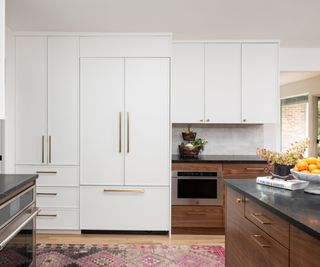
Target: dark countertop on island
{"type": "Point", "coordinates": [9, 183]}
{"type": "Point", "coordinates": [296, 207]}
{"type": "Point", "coordinates": [220, 158]}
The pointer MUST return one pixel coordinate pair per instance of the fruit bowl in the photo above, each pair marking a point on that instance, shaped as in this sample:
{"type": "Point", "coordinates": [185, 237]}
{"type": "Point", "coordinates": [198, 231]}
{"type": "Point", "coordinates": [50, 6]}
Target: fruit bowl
{"type": "Point", "coordinates": [306, 176]}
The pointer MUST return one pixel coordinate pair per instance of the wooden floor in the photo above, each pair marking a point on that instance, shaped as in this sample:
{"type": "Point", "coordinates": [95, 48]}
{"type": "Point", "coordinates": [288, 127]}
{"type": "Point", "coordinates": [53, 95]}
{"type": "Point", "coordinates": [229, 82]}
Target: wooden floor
{"type": "Point", "coordinates": [122, 239]}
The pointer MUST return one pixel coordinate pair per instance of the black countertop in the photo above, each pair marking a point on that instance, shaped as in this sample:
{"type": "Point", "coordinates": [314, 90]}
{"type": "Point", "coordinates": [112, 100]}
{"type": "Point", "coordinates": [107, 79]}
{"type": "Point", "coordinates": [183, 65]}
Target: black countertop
{"type": "Point", "coordinates": [221, 158]}
{"type": "Point", "coordinates": [9, 183]}
{"type": "Point", "coordinates": [296, 207]}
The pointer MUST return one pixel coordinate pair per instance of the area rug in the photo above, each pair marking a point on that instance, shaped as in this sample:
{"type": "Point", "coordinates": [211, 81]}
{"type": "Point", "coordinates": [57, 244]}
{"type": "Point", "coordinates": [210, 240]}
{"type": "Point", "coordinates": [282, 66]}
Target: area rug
{"type": "Point", "coordinates": [148, 255]}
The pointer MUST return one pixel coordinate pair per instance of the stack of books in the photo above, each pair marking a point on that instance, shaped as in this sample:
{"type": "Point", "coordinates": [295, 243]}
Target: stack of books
{"type": "Point", "coordinates": [289, 184]}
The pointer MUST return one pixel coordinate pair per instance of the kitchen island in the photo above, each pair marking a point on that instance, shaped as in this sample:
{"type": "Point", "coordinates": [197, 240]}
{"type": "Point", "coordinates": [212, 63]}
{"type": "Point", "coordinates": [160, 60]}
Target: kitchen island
{"type": "Point", "coordinates": [267, 226]}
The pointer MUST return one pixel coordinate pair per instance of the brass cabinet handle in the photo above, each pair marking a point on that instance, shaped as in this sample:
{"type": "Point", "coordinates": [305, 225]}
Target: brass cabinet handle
{"type": "Point", "coordinates": [42, 149]}
{"type": "Point", "coordinates": [256, 239]}
{"type": "Point", "coordinates": [244, 120]}
{"type": "Point", "coordinates": [208, 120]}
{"type": "Point", "coordinates": [256, 217]}
{"type": "Point", "coordinates": [47, 194]}
{"type": "Point", "coordinates": [128, 132]}
{"type": "Point", "coordinates": [190, 213]}
{"type": "Point", "coordinates": [47, 215]}
{"type": "Point", "coordinates": [239, 200]}
{"type": "Point", "coordinates": [120, 130]}
{"type": "Point", "coordinates": [50, 148]}
{"type": "Point", "coordinates": [124, 190]}
{"type": "Point", "coordinates": [201, 120]}
{"type": "Point", "coordinates": [46, 172]}
{"type": "Point", "coordinates": [254, 169]}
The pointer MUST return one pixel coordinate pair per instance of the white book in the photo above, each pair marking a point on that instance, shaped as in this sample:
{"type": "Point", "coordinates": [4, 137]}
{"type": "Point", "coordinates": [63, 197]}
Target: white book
{"type": "Point", "coordinates": [289, 184]}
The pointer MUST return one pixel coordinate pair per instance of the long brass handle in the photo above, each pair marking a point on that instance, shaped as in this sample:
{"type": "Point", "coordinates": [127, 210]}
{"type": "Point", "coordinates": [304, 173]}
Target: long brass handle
{"type": "Point", "coordinates": [190, 213]}
{"type": "Point", "coordinates": [128, 132]}
{"type": "Point", "coordinates": [50, 148]}
{"type": "Point", "coordinates": [46, 172]}
{"type": "Point", "coordinates": [124, 190]}
{"type": "Point", "coordinates": [47, 194]}
{"type": "Point", "coordinates": [42, 149]}
{"type": "Point", "coordinates": [254, 169]}
{"type": "Point", "coordinates": [256, 217]}
{"type": "Point", "coordinates": [256, 239]}
{"type": "Point", "coordinates": [47, 215]}
{"type": "Point", "coordinates": [120, 130]}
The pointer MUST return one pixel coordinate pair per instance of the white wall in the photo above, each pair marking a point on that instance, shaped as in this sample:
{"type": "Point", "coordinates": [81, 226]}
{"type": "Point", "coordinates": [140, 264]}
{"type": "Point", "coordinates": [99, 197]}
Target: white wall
{"type": "Point", "coordinates": [8, 148]}
{"type": "Point", "coordinates": [299, 59]}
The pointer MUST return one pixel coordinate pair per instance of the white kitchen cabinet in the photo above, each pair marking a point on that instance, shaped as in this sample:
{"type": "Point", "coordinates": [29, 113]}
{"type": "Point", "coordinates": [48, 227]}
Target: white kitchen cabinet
{"type": "Point", "coordinates": [58, 219]}
{"type": "Point", "coordinates": [31, 100]}
{"type": "Point", "coordinates": [223, 83]}
{"type": "Point", "coordinates": [47, 100]}
{"type": "Point", "coordinates": [63, 100]}
{"type": "Point", "coordinates": [147, 93]}
{"type": "Point", "coordinates": [188, 83]}
{"type": "Point", "coordinates": [124, 208]}
{"type": "Point", "coordinates": [260, 97]}
{"type": "Point", "coordinates": [102, 121]}
{"type": "Point", "coordinates": [2, 57]}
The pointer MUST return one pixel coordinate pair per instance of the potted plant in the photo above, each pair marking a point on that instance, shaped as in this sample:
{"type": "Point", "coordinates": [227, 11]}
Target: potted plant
{"type": "Point", "coordinates": [284, 162]}
{"type": "Point", "coordinates": [192, 149]}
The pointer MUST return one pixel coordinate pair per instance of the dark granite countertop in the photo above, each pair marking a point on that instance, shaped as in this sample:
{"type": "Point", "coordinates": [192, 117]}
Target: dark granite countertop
{"type": "Point", "coordinates": [12, 182]}
{"type": "Point", "coordinates": [221, 158]}
{"type": "Point", "coordinates": [296, 207]}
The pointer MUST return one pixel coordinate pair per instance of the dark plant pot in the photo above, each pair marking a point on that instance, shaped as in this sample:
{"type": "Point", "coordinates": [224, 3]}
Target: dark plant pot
{"type": "Point", "coordinates": [282, 170]}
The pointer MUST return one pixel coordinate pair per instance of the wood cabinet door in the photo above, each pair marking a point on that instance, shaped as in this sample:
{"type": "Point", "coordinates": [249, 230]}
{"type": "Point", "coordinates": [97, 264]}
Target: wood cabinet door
{"type": "Point", "coordinates": [63, 100]}
{"type": "Point", "coordinates": [102, 121]}
{"type": "Point", "coordinates": [31, 100]}
{"type": "Point", "coordinates": [147, 130]}
{"type": "Point", "coordinates": [223, 83]}
{"type": "Point", "coordinates": [260, 89]}
{"type": "Point", "coordinates": [188, 83]}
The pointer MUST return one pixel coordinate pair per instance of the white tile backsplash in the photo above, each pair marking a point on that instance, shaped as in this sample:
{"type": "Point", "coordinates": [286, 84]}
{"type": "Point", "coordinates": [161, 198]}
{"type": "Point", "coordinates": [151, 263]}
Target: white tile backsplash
{"type": "Point", "coordinates": [223, 139]}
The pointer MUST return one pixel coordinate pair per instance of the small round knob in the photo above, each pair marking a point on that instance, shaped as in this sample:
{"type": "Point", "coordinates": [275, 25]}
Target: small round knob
{"type": "Point", "coordinates": [239, 200]}
{"type": "Point", "coordinates": [208, 120]}
{"type": "Point", "coordinates": [244, 120]}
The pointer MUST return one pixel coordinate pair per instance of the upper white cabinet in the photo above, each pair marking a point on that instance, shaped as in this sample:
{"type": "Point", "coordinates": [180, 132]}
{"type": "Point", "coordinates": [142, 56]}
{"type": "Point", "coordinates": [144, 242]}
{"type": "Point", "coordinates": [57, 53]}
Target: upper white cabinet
{"type": "Point", "coordinates": [188, 83]}
{"type": "Point", "coordinates": [2, 58]}
{"type": "Point", "coordinates": [47, 100]}
{"type": "Point", "coordinates": [260, 98]}
{"type": "Point", "coordinates": [223, 83]}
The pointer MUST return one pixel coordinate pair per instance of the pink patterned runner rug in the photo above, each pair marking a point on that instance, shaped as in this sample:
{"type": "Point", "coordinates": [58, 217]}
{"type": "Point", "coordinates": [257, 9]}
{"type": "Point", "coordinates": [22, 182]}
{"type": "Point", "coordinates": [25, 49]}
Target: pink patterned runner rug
{"type": "Point", "coordinates": [138, 255]}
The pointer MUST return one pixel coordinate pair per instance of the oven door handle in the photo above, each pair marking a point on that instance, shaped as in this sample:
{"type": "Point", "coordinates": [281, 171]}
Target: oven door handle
{"type": "Point", "coordinates": [12, 234]}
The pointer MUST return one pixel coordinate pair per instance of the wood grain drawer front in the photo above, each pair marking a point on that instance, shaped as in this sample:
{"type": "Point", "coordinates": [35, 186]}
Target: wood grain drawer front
{"type": "Point", "coordinates": [197, 166]}
{"type": "Point", "coordinates": [124, 208]}
{"type": "Point", "coordinates": [304, 249]}
{"type": "Point", "coordinates": [263, 250]}
{"type": "Point", "coordinates": [240, 171]}
{"type": "Point", "coordinates": [197, 216]}
{"type": "Point", "coordinates": [63, 197]}
{"type": "Point", "coordinates": [268, 222]}
{"type": "Point", "coordinates": [52, 176]}
{"type": "Point", "coordinates": [58, 219]}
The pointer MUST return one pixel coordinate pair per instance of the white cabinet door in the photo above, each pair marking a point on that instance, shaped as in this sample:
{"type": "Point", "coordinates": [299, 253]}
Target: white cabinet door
{"type": "Point", "coordinates": [147, 121]}
{"type": "Point", "coordinates": [63, 100]}
{"type": "Point", "coordinates": [188, 83]}
{"type": "Point", "coordinates": [102, 121]}
{"type": "Point", "coordinates": [31, 100]}
{"type": "Point", "coordinates": [223, 83]}
{"type": "Point", "coordinates": [124, 208]}
{"type": "Point", "coordinates": [260, 98]}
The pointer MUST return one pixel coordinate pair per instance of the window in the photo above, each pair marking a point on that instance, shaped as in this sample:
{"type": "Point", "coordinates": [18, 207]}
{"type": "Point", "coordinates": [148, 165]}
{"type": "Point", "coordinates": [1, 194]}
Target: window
{"type": "Point", "coordinates": [294, 120]}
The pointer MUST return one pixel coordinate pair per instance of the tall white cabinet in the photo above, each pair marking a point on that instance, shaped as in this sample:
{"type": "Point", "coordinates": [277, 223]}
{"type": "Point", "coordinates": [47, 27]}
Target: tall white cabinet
{"type": "Point", "coordinates": [125, 136]}
{"type": "Point", "coordinates": [47, 124]}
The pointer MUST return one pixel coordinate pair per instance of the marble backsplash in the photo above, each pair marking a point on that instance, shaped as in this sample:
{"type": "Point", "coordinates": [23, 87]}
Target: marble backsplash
{"type": "Point", "coordinates": [223, 139]}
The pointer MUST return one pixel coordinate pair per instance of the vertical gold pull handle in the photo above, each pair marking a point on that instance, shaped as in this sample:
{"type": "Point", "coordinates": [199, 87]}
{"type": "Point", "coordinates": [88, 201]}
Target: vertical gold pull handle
{"type": "Point", "coordinates": [49, 148]}
{"type": "Point", "coordinates": [120, 130]}
{"type": "Point", "coordinates": [128, 132]}
{"type": "Point", "coordinates": [42, 149]}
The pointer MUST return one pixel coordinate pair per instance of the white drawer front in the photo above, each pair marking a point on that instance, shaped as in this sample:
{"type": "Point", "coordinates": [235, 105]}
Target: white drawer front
{"type": "Point", "coordinates": [112, 210]}
{"type": "Point", "coordinates": [63, 197]}
{"type": "Point", "coordinates": [52, 176]}
{"type": "Point", "coordinates": [58, 219]}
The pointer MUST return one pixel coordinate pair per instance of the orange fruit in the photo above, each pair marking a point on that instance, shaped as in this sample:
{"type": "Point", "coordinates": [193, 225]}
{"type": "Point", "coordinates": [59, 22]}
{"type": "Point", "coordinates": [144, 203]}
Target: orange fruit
{"type": "Point", "coordinates": [302, 165]}
{"type": "Point", "coordinates": [305, 171]}
{"type": "Point", "coordinates": [318, 163]}
{"type": "Point", "coordinates": [295, 169]}
{"type": "Point", "coordinates": [311, 160]}
{"type": "Point", "coordinates": [312, 167]}
{"type": "Point", "coordinates": [316, 171]}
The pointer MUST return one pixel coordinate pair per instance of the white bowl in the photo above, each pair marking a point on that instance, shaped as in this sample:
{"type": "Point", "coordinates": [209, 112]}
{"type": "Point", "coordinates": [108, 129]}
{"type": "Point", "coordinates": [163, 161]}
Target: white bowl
{"type": "Point", "coordinates": [306, 176]}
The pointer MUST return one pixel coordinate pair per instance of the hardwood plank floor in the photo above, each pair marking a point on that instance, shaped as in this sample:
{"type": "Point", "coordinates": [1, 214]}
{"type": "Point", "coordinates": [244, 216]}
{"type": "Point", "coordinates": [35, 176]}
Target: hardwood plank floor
{"type": "Point", "coordinates": [121, 239]}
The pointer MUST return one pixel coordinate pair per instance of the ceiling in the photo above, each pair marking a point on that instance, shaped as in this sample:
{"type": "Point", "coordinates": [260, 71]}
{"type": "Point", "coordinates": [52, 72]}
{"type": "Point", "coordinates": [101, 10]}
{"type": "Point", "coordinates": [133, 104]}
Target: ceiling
{"type": "Point", "coordinates": [287, 77]}
{"type": "Point", "coordinates": [295, 23]}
